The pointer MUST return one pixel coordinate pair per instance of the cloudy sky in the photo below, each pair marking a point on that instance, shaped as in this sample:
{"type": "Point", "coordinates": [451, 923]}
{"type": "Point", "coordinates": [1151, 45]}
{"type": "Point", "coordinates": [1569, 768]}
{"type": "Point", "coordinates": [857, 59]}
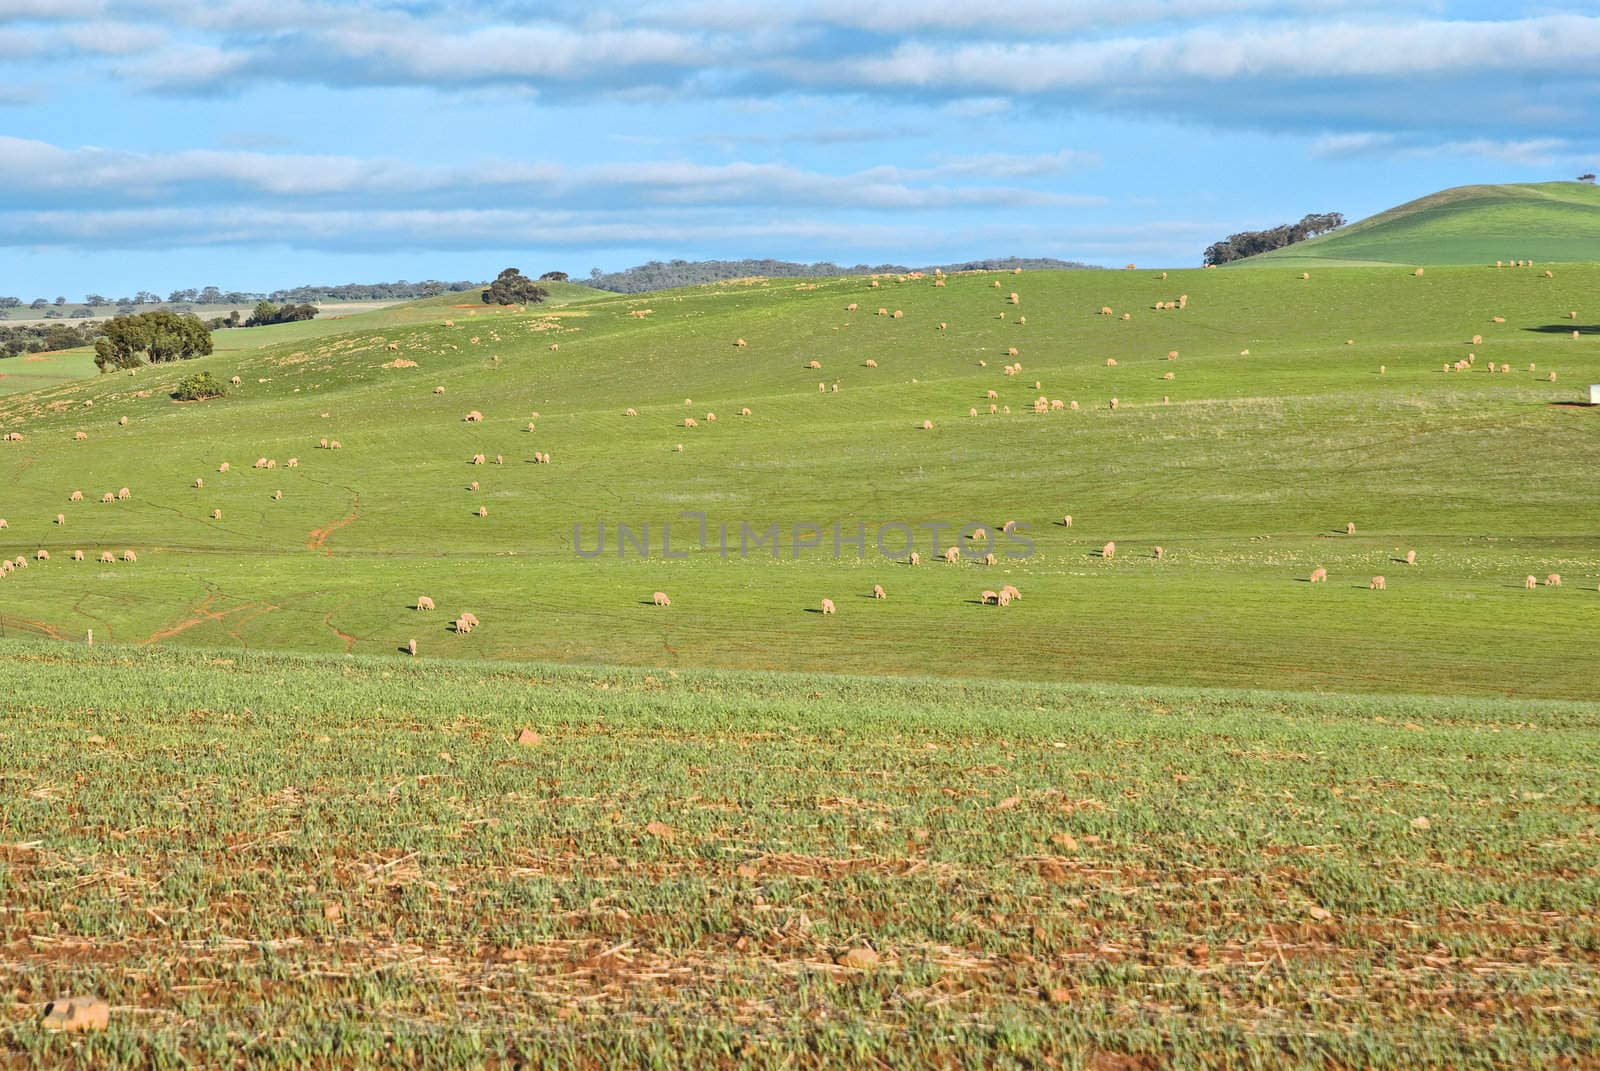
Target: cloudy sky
{"type": "Point", "coordinates": [254, 144]}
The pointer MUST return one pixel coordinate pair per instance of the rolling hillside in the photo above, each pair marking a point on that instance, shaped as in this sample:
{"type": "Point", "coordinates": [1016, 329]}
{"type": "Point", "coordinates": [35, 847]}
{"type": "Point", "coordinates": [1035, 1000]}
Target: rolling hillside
{"type": "Point", "coordinates": [1294, 407]}
{"type": "Point", "coordinates": [1545, 222]}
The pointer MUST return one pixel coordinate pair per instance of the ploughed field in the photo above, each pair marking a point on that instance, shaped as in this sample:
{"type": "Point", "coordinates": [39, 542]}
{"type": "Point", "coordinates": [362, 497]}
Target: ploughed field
{"type": "Point", "coordinates": [1296, 407]}
{"type": "Point", "coordinates": [278, 860]}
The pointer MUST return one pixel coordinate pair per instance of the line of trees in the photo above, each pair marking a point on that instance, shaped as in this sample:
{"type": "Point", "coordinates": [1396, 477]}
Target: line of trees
{"type": "Point", "coordinates": [44, 338]}
{"type": "Point", "coordinates": [661, 275]}
{"type": "Point", "coordinates": [268, 313]}
{"type": "Point", "coordinates": [1249, 243]}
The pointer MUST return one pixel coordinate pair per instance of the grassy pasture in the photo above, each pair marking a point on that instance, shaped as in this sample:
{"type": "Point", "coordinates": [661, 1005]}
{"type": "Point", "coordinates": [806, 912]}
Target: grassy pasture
{"type": "Point", "coordinates": [1246, 478]}
{"type": "Point", "coordinates": [1549, 221]}
{"type": "Point", "coordinates": [274, 860]}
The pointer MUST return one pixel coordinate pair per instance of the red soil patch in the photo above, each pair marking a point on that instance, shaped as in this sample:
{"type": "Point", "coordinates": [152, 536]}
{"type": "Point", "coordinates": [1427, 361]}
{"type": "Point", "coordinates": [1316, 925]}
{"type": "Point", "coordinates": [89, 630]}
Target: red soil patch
{"type": "Point", "coordinates": [319, 536]}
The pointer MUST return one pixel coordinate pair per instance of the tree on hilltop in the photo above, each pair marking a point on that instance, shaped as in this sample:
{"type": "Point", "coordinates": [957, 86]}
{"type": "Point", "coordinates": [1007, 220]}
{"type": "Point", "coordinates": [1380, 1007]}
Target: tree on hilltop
{"type": "Point", "coordinates": [511, 287]}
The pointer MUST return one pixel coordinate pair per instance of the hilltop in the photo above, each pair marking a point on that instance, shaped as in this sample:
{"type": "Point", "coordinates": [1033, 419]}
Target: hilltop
{"type": "Point", "coordinates": [1544, 222]}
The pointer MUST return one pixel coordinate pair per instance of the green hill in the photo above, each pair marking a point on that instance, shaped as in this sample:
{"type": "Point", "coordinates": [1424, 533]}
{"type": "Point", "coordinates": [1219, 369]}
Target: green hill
{"type": "Point", "coordinates": [1244, 466]}
{"type": "Point", "coordinates": [1544, 222]}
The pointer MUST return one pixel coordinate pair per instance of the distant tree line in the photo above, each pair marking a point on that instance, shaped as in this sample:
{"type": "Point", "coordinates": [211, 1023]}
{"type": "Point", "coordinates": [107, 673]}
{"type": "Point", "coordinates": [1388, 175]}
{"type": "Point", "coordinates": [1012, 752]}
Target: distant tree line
{"type": "Point", "coordinates": [42, 338]}
{"type": "Point", "coordinates": [659, 275]}
{"type": "Point", "coordinates": [1249, 243]}
{"type": "Point", "coordinates": [268, 313]}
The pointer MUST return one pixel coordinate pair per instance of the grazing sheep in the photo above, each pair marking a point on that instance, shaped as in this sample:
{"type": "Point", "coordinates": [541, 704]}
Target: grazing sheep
{"type": "Point", "coordinates": [61, 518]}
{"type": "Point", "coordinates": [871, 363]}
{"type": "Point", "coordinates": [77, 555]}
{"type": "Point", "coordinates": [1073, 404]}
{"type": "Point", "coordinates": [477, 459]}
{"type": "Point", "coordinates": [461, 626]}
{"type": "Point", "coordinates": [822, 388]}
{"type": "Point", "coordinates": [814, 364]}
{"type": "Point", "coordinates": [272, 463]}
{"type": "Point", "coordinates": [76, 496]}
{"type": "Point", "coordinates": [1477, 340]}
{"type": "Point", "coordinates": [1417, 274]}
{"type": "Point", "coordinates": [1105, 310]}
{"type": "Point", "coordinates": [412, 647]}
{"type": "Point", "coordinates": [1549, 274]}
{"type": "Point", "coordinates": [1574, 336]}
{"type": "Point", "coordinates": [989, 559]}
{"type": "Point", "coordinates": [986, 597]}
{"type": "Point", "coordinates": [1066, 522]}
{"type": "Point", "coordinates": [711, 418]}
{"type": "Point", "coordinates": [1531, 583]}
{"type": "Point", "coordinates": [1553, 580]}
{"type": "Point", "coordinates": [1169, 375]}
{"type": "Point", "coordinates": [531, 425]}
{"type": "Point", "coordinates": [1552, 377]}
{"type": "Point", "coordinates": [129, 556]}
{"type": "Point", "coordinates": [108, 497]}
{"type": "Point", "coordinates": [1160, 553]}
{"type": "Point", "coordinates": [1109, 551]}
{"type": "Point", "coordinates": [1319, 576]}
{"type": "Point", "coordinates": [745, 411]}
{"type": "Point", "coordinates": [993, 409]}
{"type": "Point", "coordinates": [322, 444]}
{"type": "Point", "coordinates": [1113, 403]}
{"type": "Point", "coordinates": [235, 381]}
{"type": "Point", "coordinates": [952, 555]}
{"type": "Point", "coordinates": [1382, 370]}
{"type": "Point", "coordinates": [630, 412]}
{"type": "Point", "coordinates": [1127, 316]}
{"type": "Point", "coordinates": [1530, 366]}
{"type": "Point", "coordinates": [424, 603]}
{"type": "Point", "coordinates": [1004, 599]}
{"type": "Point", "coordinates": [471, 619]}
{"type": "Point", "coordinates": [42, 555]}
{"type": "Point", "coordinates": [439, 389]}
{"type": "Point", "coordinates": [835, 388]}
{"type": "Point", "coordinates": [897, 314]}
{"type": "Point", "coordinates": [1411, 557]}
{"type": "Point", "coordinates": [661, 599]}
{"type": "Point", "coordinates": [678, 448]}
{"type": "Point", "coordinates": [883, 312]}
{"type": "Point", "coordinates": [261, 463]}
{"type": "Point", "coordinates": [79, 436]}
{"type": "Point", "coordinates": [122, 422]}
{"type": "Point", "coordinates": [335, 444]}
{"type": "Point", "coordinates": [483, 511]}
{"type": "Point", "coordinates": [1499, 319]}
{"type": "Point", "coordinates": [1014, 299]}
{"type": "Point", "coordinates": [973, 411]}
{"type": "Point", "coordinates": [224, 467]}
{"type": "Point", "coordinates": [827, 606]}
{"type": "Point", "coordinates": [216, 515]}
{"type": "Point", "coordinates": [474, 417]}
{"type": "Point", "coordinates": [1378, 583]}
{"type": "Point", "coordinates": [690, 422]}
{"type": "Point", "coordinates": [943, 326]}
{"type": "Point", "coordinates": [1305, 275]}
{"type": "Point", "coordinates": [1350, 528]}
{"type": "Point", "coordinates": [277, 496]}
{"type": "Point", "coordinates": [851, 307]}
{"type": "Point", "coordinates": [916, 559]}
{"type": "Point", "coordinates": [878, 592]}
{"type": "Point", "coordinates": [294, 462]}
{"type": "Point", "coordinates": [927, 425]}
{"type": "Point", "coordinates": [1022, 321]}
{"type": "Point", "coordinates": [199, 481]}
{"type": "Point", "coordinates": [1012, 592]}
{"type": "Point", "coordinates": [473, 486]}
{"type": "Point", "coordinates": [107, 558]}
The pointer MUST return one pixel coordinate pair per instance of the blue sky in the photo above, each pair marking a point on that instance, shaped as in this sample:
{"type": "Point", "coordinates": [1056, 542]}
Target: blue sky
{"type": "Point", "coordinates": [257, 144]}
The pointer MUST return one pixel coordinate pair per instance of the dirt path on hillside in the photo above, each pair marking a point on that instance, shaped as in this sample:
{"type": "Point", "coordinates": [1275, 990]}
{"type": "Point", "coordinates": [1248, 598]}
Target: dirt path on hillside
{"type": "Point", "coordinates": [317, 537]}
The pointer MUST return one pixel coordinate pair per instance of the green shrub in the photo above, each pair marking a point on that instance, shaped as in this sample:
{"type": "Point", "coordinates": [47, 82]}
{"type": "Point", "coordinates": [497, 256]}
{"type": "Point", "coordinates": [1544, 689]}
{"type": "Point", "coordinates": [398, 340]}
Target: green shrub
{"type": "Point", "coordinates": [197, 387]}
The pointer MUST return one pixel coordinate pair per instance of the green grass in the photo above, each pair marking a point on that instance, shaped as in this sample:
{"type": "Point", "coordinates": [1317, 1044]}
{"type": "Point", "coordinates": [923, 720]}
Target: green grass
{"type": "Point", "coordinates": [1550, 221]}
{"type": "Point", "coordinates": [288, 861]}
{"type": "Point", "coordinates": [1246, 478]}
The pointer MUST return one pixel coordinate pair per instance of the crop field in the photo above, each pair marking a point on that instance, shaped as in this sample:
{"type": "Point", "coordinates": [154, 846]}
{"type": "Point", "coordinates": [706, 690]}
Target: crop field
{"type": "Point", "coordinates": [274, 860]}
{"type": "Point", "coordinates": [1296, 407]}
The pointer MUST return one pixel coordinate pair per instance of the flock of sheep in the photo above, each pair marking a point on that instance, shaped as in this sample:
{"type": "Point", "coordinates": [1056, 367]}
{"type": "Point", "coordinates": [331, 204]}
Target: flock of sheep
{"type": "Point", "coordinates": [465, 622]}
